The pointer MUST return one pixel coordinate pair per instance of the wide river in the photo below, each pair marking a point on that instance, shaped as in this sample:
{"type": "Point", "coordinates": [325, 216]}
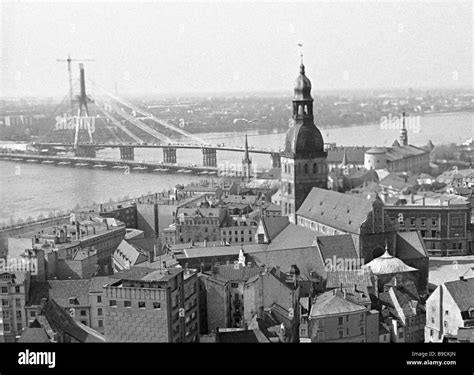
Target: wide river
{"type": "Point", "coordinates": [33, 189]}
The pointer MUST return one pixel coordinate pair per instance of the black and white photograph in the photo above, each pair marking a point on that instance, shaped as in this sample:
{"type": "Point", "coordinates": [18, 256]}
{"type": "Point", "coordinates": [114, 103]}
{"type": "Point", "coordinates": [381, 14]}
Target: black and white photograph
{"type": "Point", "coordinates": [236, 172]}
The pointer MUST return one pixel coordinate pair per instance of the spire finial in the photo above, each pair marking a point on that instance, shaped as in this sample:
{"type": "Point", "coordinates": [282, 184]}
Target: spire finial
{"type": "Point", "coordinates": [301, 57]}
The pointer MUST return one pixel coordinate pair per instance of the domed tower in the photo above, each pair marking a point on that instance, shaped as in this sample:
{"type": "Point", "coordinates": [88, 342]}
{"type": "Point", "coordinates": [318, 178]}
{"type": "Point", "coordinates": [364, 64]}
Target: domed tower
{"type": "Point", "coordinates": [303, 161]}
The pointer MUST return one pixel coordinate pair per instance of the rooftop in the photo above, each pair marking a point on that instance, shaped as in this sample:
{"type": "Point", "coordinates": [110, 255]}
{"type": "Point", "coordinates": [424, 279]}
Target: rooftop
{"type": "Point", "coordinates": [340, 211]}
{"type": "Point", "coordinates": [388, 264]}
{"type": "Point", "coordinates": [333, 303]}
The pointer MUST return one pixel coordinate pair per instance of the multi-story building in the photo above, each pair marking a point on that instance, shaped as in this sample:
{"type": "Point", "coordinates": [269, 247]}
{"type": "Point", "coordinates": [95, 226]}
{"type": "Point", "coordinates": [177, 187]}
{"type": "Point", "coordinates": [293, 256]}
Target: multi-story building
{"type": "Point", "coordinates": [334, 317]}
{"type": "Point", "coordinates": [444, 221]}
{"type": "Point", "coordinates": [303, 161]}
{"type": "Point", "coordinates": [14, 292]}
{"type": "Point", "coordinates": [82, 249]}
{"type": "Point", "coordinates": [449, 308]}
{"type": "Point", "coordinates": [152, 305]}
{"type": "Point", "coordinates": [198, 224]}
{"type": "Point", "coordinates": [238, 230]}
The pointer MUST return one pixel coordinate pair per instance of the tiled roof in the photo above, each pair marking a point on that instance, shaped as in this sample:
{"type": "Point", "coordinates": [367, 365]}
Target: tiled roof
{"type": "Point", "coordinates": [388, 264]}
{"type": "Point", "coordinates": [211, 251]}
{"type": "Point", "coordinates": [333, 303]}
{"type": "Point", "coordinates": [274, 225]}
{"type": "Point", "coordinates": [339, 246]}
{"type": "Point", "coordinates": [241, 199]}
{"type": "Point", "coordinates": [60, 321]}
{"type": "Point", "coordinates": [400, 303]}
{"type": "Point", "coordinates": [97, 283]}
{"type": "Point", "coordinates": [293, 237]}
{"type": "Point", "coordinates": [34, 335]}
{"type": "Point", "coordinates": [340, 211]}
{"type": "Point", "coordinates": [62, 291]}
{"type": "Point", "coordinates": [462, 292]}
{"type": "Point", "coordinates": [127, 254]}
{"type": "Point", "coordinates": [402, 152]}
{"type": "Point", "coordinates": [134, 273]}
{"type": "Point", "coordinates": [237, 273]}
{"type": "Point", "coordinates": [409, 245]}
{"type": "Point", "coordinates": [360, 279]}
{"type": "Point", "coordinates": [353, 155]}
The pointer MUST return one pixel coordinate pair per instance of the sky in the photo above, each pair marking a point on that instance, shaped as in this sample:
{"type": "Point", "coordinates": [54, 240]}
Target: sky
{"type": "Point", "coordinates": [190, 47]}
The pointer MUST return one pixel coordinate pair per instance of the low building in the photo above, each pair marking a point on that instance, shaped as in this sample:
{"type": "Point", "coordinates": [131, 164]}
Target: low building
{"type": "Point", "coordinates": [333, 317]}
{"type": "Point", "coordinates": [449, 308]}
{"type": "Point", "coordinates": [238, 230]}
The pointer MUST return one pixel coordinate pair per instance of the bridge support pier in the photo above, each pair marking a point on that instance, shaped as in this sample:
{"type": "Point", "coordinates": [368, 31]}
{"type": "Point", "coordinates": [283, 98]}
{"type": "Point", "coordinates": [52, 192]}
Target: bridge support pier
{"type": "Point", "coordinates": [85, 152]}
{"type": "Point", "coordinates": [209, 157]}
{"type": "Point", "coordinates": [127, 153]}
{"type": "Point", "coordinates": [169, 155]}
{"type": "Point", "coordinates": [276, 160]}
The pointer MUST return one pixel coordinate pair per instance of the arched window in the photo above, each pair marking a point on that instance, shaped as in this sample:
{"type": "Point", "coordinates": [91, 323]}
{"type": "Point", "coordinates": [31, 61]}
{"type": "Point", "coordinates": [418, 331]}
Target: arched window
{"type": "Point", "coordinates": [305, 169]}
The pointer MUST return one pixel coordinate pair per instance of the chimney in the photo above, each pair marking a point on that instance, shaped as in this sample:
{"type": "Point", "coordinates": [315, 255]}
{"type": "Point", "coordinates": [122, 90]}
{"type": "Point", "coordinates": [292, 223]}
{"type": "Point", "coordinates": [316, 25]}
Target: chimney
{"type": "Point", "coordinates": [101, 207]}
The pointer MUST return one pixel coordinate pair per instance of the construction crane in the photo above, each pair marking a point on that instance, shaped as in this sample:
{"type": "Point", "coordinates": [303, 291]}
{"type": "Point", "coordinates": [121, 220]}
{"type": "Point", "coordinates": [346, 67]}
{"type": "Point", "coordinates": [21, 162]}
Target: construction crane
{"type": "Point", "coordinates": [71, 96]}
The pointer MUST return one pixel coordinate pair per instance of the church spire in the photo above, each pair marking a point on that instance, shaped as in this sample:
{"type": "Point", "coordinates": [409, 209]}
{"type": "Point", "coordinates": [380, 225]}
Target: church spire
{"type": "Point", "coordinates": [403, 132]}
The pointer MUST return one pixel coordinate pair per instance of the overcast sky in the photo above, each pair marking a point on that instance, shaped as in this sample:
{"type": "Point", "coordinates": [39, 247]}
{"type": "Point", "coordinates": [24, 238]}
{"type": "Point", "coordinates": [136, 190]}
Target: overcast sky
{"type": "Point", "coordinates": [174, 47]}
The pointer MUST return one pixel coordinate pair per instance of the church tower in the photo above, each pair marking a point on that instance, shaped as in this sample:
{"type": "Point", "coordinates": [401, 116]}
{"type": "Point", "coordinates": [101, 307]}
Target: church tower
{"type": "Point", "coordinates": [246, 162]}
{"type": "Point", "coordinates": [303, 161]}
{"type": "Point", "coordinates": [403, 132]}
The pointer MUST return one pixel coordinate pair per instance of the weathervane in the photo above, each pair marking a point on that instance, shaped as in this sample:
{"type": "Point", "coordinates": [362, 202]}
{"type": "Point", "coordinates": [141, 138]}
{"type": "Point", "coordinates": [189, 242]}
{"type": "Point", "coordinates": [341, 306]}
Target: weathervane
{"type": "Point", "coordinates": [301, 52]}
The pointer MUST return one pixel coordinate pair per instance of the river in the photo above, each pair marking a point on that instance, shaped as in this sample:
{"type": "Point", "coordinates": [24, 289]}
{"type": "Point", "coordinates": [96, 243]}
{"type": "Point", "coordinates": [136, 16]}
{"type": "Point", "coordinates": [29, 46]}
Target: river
{"type": "Point", "coordinates": [33, 189]}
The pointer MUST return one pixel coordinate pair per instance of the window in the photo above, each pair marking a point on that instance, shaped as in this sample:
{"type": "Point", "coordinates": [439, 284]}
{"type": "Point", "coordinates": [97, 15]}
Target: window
{"type": "Point", "coordinates": [141, 305]}
{"type": "Point", "coordinates": [341, 334]}
{"type": "Point", "coordinates": [101, 323]}
{"type": "Point", "coordinates": [347, 318]}
{"type": "Point", "coordinates": [113, 303]}
{"type": "Point", "coordinates": [5, 303]}
{"type": "Point", "coordinates": [17, 289]}
{"type": "Point", "coordinates": [340, 320]}
{"type": "Point", "coordinates": [446, 312]}
{"type": "Point", "coordinates": [412, 221]}
{"type": "Point", "coordinates": [18, 302]}
{"type": "Point", "coordinates": [234, 285]}
{"type": "Point", "coordinates": [361, 317]}
{"type": "Point", "coordinates": [431, 332]}
{"type": "Point", "coordinates": [99, 311]}
{"type": "Point", "coordinates": [127, 303]}
{"type": "Point", "coordinates": [32, 314]}
{"type": "Point", "coordinates": [99, 299]}
{"type": "Point", "coordinates": [6, 327]}
{"type": "Point", "coordinates": [4, 290]}
{"type": "Point", "coordinates": [18, 315]}
{"type": "Point", "coordinates": [361, 330]}
{"type": "Point", "coordinates": [400, 334]}
{"type": "Point", "coordinates": [445, 324]}
{"type": "Point", "coordinates": [432, 320]}
{"type": "Point", "coordinates": [434, 222]}
{"type": "Point", "coordinates": [423, 221]}
{"type": "Point", "coordinates": [83, 312]}
{"type": "Point", "coordinates": [156, 305]}
{"type": "Point", "coordinates": [19, 327]}
{"type": "Point", "coordinates": [315, 168]}
{"type": "Point", "coordinates": [6, 314]}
